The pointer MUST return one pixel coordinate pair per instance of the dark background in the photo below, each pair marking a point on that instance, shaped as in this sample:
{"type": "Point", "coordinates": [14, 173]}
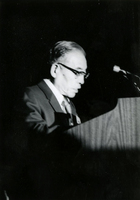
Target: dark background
{"type": "Point", "coordinates": [108, 31]}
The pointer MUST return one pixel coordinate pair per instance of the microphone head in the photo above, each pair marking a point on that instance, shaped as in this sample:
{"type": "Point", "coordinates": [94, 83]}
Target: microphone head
{"type": "Point", "coordinates": [116, 68]}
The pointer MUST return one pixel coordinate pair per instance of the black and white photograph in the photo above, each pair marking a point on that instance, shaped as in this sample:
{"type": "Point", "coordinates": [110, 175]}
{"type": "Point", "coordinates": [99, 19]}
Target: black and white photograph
{"type": "Point", "coordinates": [69, 99]}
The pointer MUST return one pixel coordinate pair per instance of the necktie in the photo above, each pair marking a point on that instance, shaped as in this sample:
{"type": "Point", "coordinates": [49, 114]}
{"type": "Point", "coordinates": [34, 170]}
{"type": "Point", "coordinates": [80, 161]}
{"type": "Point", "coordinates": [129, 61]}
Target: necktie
{"type": "Point", "coordinates": [67, 109]}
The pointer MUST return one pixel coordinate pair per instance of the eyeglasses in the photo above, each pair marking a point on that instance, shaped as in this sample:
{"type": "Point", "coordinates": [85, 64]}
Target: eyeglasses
{"type": "Point", "coordinates": [77, 73]}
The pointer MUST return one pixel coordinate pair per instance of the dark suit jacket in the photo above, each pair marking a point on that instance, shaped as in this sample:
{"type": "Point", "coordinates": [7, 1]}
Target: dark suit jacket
{"type": "Point", "coordinates": [38, 114]}
{"type": "Point", "coordinates": [42, 110]}
{"type": "Point", "coordinates": [42, 151]}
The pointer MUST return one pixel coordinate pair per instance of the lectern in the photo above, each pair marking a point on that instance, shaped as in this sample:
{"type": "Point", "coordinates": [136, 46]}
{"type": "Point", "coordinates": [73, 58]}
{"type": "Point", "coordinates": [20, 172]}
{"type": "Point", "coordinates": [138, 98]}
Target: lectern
{"type": "Point", "coordinates": [116, 129]}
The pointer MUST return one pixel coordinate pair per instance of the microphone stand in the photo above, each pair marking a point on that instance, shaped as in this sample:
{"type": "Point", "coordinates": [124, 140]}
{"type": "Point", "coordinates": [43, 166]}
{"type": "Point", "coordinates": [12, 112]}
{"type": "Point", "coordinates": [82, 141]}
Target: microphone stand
{"type": "Point", "coordinates": [134, 78]}
{"type": "Point", "coordinates": [129, 76]}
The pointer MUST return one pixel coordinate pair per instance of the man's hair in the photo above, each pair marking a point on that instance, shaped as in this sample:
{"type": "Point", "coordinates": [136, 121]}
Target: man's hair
{"type": "Point", "coordinates": [61, 48]}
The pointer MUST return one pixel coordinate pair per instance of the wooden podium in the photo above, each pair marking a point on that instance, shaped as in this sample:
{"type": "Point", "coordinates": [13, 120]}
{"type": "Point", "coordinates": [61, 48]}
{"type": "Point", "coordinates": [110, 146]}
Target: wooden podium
{"type": "Point", "coordinates": [116, 129]}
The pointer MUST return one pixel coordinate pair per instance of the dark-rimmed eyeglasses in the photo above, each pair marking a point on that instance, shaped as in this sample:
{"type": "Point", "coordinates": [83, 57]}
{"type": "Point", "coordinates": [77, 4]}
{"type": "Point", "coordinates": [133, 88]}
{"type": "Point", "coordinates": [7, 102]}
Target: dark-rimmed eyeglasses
{"type": "Point", "coordinates": [77, 73]}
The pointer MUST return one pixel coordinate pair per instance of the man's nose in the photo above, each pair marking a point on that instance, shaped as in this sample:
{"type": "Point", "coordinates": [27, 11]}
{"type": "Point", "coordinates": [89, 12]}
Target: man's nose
{"type": "Point", "coordinates": [81, 79]}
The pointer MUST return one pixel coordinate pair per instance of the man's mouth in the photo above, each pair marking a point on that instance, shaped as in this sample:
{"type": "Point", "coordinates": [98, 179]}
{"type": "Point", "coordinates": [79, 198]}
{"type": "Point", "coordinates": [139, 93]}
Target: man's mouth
{"type": "Point", "coordinates": [75, 90]}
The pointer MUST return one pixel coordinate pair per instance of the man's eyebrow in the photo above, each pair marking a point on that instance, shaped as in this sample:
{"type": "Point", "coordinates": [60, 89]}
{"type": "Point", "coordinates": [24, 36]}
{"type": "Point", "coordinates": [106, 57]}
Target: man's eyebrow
{"type": "Point", "coordinates": [79, 68]}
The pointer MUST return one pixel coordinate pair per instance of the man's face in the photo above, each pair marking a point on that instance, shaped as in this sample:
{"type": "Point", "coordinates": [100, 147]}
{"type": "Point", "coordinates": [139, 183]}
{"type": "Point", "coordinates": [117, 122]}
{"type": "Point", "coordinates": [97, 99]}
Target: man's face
{"type": "Point", "coordinates": [66, 81]}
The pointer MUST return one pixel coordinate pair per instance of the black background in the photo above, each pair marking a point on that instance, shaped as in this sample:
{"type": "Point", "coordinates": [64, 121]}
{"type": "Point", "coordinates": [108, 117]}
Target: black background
{"type": "Point", "coordinates": [107, 30]}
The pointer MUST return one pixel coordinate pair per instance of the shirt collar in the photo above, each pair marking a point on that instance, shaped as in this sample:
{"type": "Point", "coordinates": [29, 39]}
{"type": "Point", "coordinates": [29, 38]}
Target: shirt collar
{"type": "Point", "coordinates": [55, 91]}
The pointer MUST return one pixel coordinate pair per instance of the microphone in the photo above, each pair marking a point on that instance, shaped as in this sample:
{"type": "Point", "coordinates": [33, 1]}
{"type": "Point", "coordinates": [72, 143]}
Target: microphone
{"type": "Point", "coordinates": [129, 76]}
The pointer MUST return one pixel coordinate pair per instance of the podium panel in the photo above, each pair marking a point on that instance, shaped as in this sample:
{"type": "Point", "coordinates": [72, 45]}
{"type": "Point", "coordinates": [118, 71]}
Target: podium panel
{"type": "Point", "coordinates": [116, 129]}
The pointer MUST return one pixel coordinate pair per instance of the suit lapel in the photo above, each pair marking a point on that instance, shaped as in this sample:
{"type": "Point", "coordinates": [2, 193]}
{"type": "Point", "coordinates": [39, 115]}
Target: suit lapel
{"type": "Point", "coordinates": [54, 103]}
{"type": "Point", "coordinates": [50, 96]}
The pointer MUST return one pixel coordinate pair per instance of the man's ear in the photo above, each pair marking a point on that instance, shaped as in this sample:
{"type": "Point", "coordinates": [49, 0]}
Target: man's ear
{"type": "Point", "coordinates": [54, 69]}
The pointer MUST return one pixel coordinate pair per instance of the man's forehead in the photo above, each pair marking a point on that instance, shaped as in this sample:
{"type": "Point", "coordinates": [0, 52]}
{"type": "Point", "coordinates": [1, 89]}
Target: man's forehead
{"type": "Point", "coordinates": [75, 59]}
{"type": "Point", "coordinates": [74, 53]}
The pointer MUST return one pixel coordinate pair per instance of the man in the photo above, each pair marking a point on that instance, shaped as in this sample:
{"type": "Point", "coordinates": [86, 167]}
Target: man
{"type": "Point", "coordinates": [68, 70]}
{"type": "Point", "coordinates": [44, 113]}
